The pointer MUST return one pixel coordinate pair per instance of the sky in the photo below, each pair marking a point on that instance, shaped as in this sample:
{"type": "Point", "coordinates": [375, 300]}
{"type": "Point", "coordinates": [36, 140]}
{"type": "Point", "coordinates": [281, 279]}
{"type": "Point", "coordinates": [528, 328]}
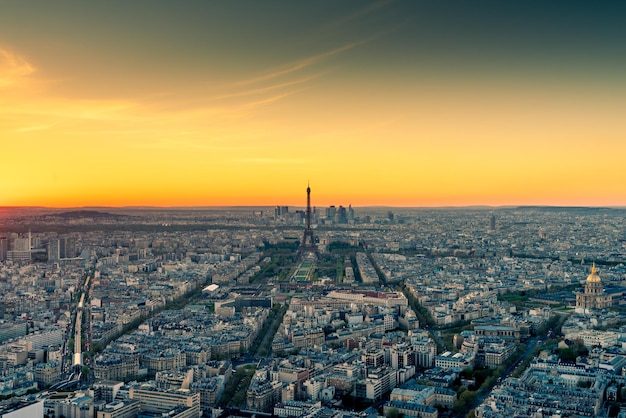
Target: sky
{"type": "Point", "coordinates": [372, 103]}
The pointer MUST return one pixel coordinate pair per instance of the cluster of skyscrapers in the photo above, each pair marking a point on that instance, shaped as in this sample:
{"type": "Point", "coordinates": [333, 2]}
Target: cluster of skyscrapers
{"type": "Point", "coordinates": [329, 215]}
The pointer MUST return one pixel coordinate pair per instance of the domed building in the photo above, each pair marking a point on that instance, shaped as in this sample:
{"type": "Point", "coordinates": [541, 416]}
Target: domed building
{"type": "Point", "coordinates": [593, 296]}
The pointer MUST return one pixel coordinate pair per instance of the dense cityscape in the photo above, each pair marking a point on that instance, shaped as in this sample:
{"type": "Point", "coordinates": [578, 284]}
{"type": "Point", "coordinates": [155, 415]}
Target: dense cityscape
{"type": "Point", "coordinates": [313, 312]}
{"type": "Point", "coordinates": [322, 209]}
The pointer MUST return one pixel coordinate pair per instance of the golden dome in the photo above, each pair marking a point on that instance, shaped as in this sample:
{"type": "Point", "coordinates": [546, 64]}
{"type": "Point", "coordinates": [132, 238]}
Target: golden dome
{"type": "Point", "coordinates": [593, 277]}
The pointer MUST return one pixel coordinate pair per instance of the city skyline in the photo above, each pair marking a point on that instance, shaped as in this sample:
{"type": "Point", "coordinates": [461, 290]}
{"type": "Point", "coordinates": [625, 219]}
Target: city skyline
{"type": "Point", "coordinates": [386, 103]}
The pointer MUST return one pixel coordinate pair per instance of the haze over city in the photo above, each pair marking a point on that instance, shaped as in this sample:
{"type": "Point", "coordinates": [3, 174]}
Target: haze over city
{"type": "Point", "coordinates": [391, 103]}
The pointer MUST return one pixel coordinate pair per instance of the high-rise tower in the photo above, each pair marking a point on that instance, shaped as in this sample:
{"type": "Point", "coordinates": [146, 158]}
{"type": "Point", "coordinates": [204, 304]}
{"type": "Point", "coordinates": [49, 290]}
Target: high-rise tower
{"type": "Point", "coordinates": [308, 247]}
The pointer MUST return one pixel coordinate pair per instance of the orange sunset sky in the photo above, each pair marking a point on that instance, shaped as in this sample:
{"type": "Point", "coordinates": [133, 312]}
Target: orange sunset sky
{"type": "Point", "coordinates": [396, 103]}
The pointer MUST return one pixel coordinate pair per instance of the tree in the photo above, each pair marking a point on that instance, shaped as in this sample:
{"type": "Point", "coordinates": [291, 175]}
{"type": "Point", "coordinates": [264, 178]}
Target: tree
{"type": "Point", "coordinates": [466, 398]}
{"type": "Point", "coordinates": [393, 413]}
{"type": "Point", "coordinates": [567, 355]}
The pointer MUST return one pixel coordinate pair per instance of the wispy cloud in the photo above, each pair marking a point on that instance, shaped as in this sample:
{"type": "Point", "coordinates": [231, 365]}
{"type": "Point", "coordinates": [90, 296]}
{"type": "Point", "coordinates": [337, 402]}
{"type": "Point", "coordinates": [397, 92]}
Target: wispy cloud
{"type": "Point", "coordinates": [30, 106]}
{"type": "Point", "coordinates": [222, 103]}
{"type": "Point", "coordinates": [60, 108]}
{"type": "Point", "coordinates": [261, 160]}
{"type": "Point", "coordinates": [299, 65]}
{"type": "Point", "coordinates": [24, 98]}
{"type": "Point", "coordinates": [269, 100]}
{"type": "Point", "coordinates": [355, 16]}
{"type": "Point", "coordinates": [266, 89]}
{"type": "Point", "coordinates": [33, 128]}
{"type": "Point", "coordinates": [13, 68]}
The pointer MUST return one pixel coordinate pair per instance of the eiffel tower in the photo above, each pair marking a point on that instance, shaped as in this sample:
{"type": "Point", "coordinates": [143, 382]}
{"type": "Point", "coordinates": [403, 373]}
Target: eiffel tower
{"type": "Point", "coordinates": [308, 247]}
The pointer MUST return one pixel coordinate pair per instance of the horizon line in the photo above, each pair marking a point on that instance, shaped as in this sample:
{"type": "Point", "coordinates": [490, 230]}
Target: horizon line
{"type": "Point", "coordinates": [304, 206]}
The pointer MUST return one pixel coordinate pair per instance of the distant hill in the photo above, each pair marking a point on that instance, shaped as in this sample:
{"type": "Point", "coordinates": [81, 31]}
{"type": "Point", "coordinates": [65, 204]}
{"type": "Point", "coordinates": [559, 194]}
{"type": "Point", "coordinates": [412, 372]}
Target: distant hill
{"type": "Point", "coordinates": [565, 208]}
{"type": "Point", "coordinates": [77, 214]}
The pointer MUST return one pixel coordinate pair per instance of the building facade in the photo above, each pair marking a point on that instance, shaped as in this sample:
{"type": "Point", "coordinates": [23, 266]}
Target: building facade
{"type": "Point", "coordinates": [593, 296]}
